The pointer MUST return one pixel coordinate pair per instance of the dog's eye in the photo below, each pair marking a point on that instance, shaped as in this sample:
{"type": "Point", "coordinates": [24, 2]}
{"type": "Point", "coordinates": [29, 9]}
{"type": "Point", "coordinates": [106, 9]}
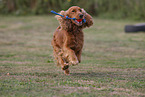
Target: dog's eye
{"type": "Point", "coordinates": [80, 10]}
{"type": "Point", "coordinates": [73, 10]}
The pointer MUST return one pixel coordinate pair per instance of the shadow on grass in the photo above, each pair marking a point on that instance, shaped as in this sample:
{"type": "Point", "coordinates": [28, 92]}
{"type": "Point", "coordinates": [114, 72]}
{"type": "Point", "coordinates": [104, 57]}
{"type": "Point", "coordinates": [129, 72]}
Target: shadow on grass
{"type": "Point", "coordinates": [100, 75]}
{"type": "Point", "coordinates": [92, 74]}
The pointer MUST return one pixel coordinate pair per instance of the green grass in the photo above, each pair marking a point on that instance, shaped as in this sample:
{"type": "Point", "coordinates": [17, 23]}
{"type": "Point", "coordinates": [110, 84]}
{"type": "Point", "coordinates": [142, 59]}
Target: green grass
{"type": "Point", "coordinates": [113, 62]}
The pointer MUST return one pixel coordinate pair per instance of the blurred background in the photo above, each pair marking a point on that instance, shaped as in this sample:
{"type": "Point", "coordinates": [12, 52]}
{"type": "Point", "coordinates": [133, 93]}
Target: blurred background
{"type": "Point", "coordinates": [131, 9]}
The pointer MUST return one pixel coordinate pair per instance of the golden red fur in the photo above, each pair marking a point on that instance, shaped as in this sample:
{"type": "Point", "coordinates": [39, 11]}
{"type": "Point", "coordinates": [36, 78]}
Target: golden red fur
{"type": "Point", "coordinates": [68, 39]}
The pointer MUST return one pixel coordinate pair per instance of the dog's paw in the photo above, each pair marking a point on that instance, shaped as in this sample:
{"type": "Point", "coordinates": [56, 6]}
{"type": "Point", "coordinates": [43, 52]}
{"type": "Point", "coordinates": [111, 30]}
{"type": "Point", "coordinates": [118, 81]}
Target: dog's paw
{"type": "Point", "coordinates": [74, 62]}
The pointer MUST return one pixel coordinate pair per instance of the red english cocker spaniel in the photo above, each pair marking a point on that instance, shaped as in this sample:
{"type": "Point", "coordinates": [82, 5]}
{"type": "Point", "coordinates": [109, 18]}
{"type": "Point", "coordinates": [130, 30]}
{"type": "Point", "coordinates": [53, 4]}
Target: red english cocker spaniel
{"type": "Point", "coordinates": [68, 39]}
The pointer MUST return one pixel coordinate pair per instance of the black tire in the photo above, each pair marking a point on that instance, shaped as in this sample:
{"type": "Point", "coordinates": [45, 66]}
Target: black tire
{"type": "Point", "coordinates": [135, 28]}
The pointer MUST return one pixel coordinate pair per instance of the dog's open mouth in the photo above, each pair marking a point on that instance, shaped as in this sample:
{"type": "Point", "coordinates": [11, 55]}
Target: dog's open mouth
{"type": "Point", "coordinates": [79, 22]}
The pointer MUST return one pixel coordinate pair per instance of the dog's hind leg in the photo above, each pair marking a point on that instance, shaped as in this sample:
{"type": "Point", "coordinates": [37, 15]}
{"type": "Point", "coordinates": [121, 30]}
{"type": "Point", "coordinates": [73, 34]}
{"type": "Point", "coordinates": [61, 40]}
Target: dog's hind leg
{"type": "Point", "coordinates": [56, 58]}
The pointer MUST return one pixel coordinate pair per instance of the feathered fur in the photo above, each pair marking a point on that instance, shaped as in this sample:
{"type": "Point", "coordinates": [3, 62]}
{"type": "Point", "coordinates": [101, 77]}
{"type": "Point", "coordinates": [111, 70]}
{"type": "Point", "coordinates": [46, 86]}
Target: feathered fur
{"type": "Point", "coordinates": [68, 39]}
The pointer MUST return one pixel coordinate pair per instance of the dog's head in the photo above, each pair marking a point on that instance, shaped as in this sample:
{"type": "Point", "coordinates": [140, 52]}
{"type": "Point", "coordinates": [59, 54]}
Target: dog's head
{"type": "Point", "coordinates": [79, 14]}
{"type": "Point", "coordinates": [76, 12]}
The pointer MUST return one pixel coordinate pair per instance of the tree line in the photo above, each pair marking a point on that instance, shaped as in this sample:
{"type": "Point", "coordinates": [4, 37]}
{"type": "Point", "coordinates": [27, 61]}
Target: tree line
{"type": "Point", "coordinates": [134, 9]}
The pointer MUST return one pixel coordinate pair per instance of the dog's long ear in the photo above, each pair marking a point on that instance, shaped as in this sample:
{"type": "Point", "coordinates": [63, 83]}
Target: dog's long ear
{"type": "Point", "coordinates": [59, 18]}
{"type": "Point", "coordinates": [64, 23]}
{"type": "Point", "coordinates": [89, 19]}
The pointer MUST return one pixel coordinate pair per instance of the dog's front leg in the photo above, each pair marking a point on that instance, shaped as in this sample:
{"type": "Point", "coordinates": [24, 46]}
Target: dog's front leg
{"type": "Point", "coordinates": [71, 56]}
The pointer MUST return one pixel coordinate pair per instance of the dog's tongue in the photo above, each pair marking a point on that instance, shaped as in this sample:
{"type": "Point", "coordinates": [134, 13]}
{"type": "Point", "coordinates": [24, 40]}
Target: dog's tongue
{"type": "Point", "coordinates": [79, 20]}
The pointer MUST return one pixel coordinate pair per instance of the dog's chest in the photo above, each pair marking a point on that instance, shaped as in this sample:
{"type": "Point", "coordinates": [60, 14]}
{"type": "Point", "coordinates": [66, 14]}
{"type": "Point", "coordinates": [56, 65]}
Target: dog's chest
{"type": "Point", "coordinates": [76, 41]}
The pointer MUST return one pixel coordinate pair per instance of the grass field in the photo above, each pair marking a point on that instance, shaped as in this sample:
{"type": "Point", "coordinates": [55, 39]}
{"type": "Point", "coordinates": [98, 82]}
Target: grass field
{"type": "Point", "coordinates": [113, 62]}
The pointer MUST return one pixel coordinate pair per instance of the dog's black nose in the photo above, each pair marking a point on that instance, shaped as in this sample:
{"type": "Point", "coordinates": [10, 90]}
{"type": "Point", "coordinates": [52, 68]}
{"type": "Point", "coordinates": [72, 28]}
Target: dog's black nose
{"type": "Point", "coordinates": [81, 15]}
